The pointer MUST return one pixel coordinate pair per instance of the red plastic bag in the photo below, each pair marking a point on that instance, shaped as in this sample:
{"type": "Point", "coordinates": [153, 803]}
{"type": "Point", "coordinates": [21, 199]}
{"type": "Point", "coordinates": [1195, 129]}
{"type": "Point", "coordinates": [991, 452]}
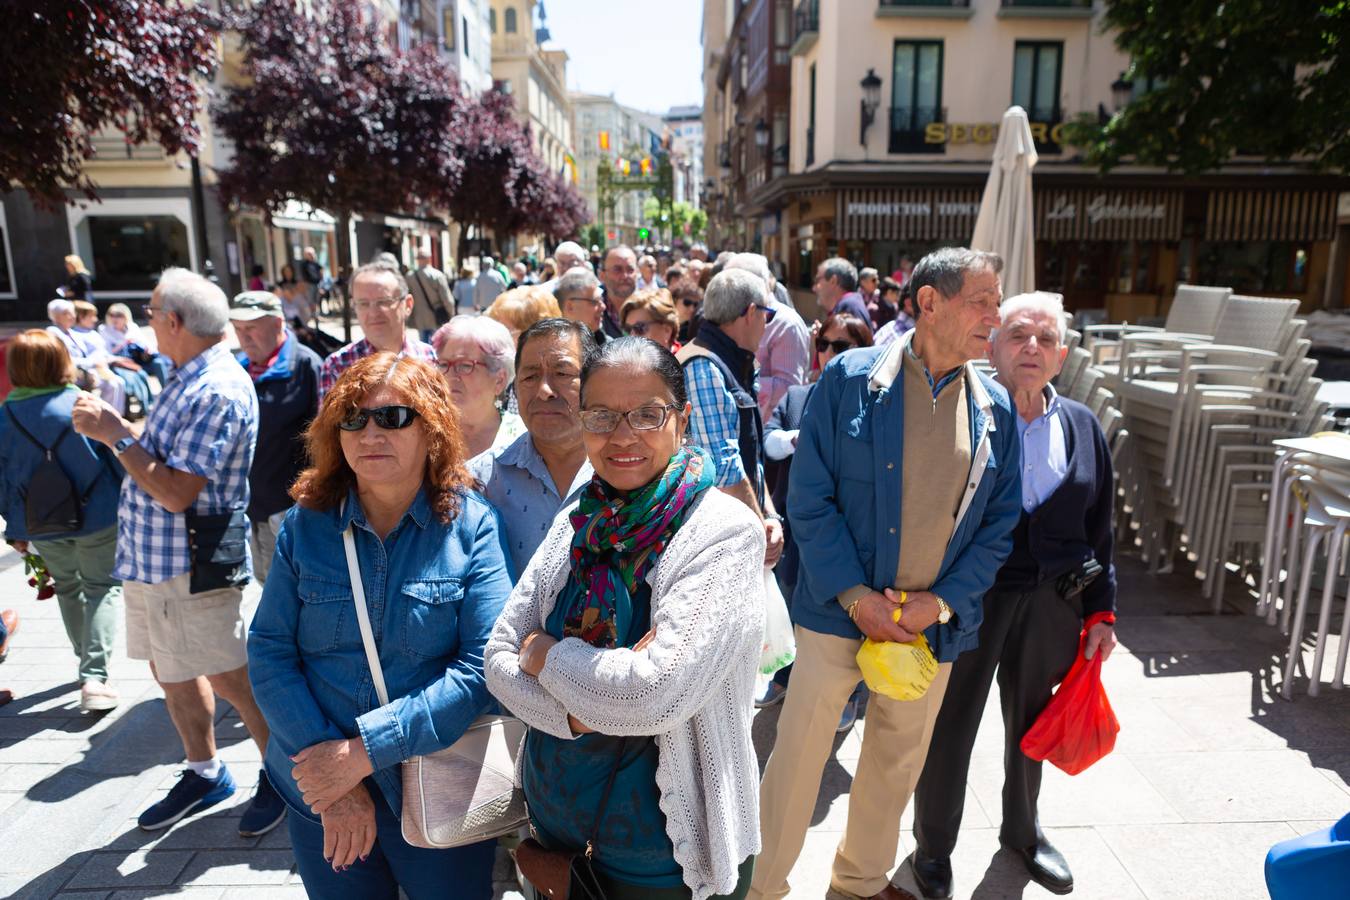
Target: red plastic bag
{"type": "Point", "coordinates": [1077, 727]}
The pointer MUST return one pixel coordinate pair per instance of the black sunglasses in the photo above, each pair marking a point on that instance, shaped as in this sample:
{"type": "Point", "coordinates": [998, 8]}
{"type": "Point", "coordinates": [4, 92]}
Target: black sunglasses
{"type": "Point", "coordinates": [689, 304]}
{"type": "Point", "coordinates": [387, 417]}
{"type": "Point", "coordinates": [837, 346]}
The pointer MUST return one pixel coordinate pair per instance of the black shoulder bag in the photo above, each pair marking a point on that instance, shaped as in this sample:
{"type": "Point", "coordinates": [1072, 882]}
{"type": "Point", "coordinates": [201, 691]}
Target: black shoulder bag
{"type": "Point", "coordinates": [553, 873]}
{"type": "Point", "coordinates": [51, 505]}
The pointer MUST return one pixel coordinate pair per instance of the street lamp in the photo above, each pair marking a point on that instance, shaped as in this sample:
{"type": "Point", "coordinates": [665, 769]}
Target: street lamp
{"type": "Point", "coordinates": [1122, 90]}
{"type": "Point", "coordinates": [871, 99]}
{"type": "Point", "coordinates": [761, 133]}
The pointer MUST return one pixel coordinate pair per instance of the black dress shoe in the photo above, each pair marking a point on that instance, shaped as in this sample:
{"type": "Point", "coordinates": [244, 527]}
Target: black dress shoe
{"type": "Point", "coordinates": [1047, 866]}
{"type": "Point", "coordinates": [933, 876]}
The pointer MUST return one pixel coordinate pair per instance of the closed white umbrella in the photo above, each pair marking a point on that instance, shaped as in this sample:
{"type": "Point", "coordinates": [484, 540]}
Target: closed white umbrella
{"type": "Point", "coordinates": [1004, 225]}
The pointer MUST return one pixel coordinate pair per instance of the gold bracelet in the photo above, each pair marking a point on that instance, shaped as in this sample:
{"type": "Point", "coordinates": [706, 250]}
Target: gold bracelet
{"type": "Point", "coordinates": [853, 610]}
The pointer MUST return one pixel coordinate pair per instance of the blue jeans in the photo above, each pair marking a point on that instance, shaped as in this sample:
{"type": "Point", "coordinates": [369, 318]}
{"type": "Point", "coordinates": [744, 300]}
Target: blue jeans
{"type": "Point", "coordinates": [392, 864]}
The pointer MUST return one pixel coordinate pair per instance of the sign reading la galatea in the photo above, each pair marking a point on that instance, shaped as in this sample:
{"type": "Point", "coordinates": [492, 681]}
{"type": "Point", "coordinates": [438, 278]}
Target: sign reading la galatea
{"type": "Point", "coordinates": [916, 210]}
{"type": "Point", "coordinates": [1104, 208]}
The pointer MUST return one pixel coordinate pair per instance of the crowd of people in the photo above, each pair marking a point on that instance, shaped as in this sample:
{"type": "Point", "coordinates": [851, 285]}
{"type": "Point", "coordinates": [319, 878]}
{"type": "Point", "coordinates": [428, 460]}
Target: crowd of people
{"type": "Point", "coordinates": [557, 490]}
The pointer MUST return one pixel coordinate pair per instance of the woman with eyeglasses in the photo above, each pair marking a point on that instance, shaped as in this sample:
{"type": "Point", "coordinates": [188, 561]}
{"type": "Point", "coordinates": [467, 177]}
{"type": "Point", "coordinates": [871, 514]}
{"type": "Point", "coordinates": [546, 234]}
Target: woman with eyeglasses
{"type": "Point", "coordinates": [388, 470]}
{"type": "Point", "coordinates": [629, 647]}
{"type": "Point", "coordinates": [477, 357]}
{"type": "Point", "coordinates": [651, 314]}
{"type": "Point", "coordinates": [840, 333]}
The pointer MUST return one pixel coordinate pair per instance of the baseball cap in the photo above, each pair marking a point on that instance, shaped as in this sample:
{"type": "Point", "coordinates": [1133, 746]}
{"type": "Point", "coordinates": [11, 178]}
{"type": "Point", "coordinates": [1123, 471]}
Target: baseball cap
{"type": "Point", "coordinates": [252, 305]}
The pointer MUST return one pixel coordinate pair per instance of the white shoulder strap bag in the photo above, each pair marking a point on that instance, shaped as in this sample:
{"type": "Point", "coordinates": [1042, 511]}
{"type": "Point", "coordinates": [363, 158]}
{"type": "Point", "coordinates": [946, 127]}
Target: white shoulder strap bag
{"type": "Point", "coordinates": [465, 793]}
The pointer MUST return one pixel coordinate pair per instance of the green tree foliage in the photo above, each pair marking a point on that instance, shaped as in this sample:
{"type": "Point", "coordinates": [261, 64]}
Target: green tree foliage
{"type": "Point", "coordinates": [1265, 78]}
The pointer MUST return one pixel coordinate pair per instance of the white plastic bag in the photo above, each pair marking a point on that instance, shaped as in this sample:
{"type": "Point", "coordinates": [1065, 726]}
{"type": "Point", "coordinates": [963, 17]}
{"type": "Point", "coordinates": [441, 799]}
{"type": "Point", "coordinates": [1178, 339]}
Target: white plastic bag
{"type": "Point", "coordinates": [780, 647]}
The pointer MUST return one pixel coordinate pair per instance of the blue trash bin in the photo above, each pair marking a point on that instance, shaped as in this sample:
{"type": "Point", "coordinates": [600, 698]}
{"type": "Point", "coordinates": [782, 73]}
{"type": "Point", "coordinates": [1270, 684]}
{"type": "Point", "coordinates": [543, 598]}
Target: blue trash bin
{"type": "Point", "coordinates": [1312, 867]}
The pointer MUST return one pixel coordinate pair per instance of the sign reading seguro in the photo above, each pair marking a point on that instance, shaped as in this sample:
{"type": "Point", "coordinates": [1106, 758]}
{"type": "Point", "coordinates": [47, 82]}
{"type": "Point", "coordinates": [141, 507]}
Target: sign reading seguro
{"type": "Point", "coordinates": [987, 133]}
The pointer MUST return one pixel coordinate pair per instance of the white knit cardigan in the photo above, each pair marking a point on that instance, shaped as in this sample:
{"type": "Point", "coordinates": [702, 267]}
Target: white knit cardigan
{"type": "Point", "coordinates": [692, 687]}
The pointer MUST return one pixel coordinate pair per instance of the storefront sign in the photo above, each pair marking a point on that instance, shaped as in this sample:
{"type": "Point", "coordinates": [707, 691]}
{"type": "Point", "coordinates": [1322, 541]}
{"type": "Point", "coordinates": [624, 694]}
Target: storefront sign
{"type": "Point", "coordinates": [1105, 206]}
{"type": "Point", "coordinates": [913, 210]}
{"type": "Point", "coordinates": [987, 133]}
{"type": "Point", "coordinates": [922, 214]}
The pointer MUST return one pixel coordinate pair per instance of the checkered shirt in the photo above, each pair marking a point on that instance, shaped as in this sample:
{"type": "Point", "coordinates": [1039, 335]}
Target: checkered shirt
{"type": "Point", "coordinates": [716, 423]}
{"type": "Point", "coordinates": [205, 422]}
{"type": "Point", "coordinates": [341, 360]}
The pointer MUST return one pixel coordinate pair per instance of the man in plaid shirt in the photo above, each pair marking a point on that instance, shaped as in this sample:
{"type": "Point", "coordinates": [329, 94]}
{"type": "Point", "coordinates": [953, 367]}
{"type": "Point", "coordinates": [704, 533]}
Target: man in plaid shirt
{"type": "Point", "coordinates": [182, 540]}
{"type": "Point", "coordinates": [719, 373]}
{"type": "Point", "coordinates": [383, 303]}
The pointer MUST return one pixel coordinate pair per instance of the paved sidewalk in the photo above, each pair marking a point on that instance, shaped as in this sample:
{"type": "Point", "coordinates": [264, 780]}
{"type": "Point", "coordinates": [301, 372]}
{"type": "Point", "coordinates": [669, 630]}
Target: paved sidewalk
{"type": "Point", "coordinates": [1211, 768]}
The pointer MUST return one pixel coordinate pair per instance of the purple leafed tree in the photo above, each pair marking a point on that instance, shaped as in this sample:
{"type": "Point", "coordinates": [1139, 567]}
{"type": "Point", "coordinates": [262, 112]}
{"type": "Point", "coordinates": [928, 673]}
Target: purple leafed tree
{"type": "Point", "coordinates": [74, 67]}
{"type": "Point", "coordinates": [327, 113]}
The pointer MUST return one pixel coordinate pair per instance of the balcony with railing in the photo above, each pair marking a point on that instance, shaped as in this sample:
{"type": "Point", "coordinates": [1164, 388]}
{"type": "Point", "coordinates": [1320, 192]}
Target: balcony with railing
{"type": "Point", "coordinates": [925, 9]}
{"type": "Point", "coordinates": [111, 146]}
{"type": "Point", "coordinates": [805, 26]}
{"type": "Point", "coordinates": [909, 125]}
{"type": "Point", "coordinates": [1046, 9]}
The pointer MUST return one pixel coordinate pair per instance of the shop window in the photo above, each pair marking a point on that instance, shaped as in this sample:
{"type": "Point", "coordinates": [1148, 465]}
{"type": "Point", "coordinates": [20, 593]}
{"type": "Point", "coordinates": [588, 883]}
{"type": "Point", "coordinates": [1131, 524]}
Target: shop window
{"type": "Point", "coordinates": [127, 253]}
{"type": "Point", "coordinates": [1036, 73]}
{"type": "Point", "coordinates": [448, 28]}
{"type": "Point", "coordinates": [1255, 267]}
{"type": "Point", "coordinates": [916, 95]}
{"type": "Point", "coordinates": [811, 122]}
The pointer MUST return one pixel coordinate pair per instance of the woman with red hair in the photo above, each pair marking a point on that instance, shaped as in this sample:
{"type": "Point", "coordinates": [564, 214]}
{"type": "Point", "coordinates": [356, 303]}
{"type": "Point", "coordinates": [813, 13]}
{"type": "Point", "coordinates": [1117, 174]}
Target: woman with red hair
{"type": "Point", "coordinates": [388, 480]}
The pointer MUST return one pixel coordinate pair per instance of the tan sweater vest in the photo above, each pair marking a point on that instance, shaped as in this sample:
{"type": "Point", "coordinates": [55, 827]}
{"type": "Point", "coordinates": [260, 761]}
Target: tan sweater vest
{"type": "Point", "coordinates": [937, 453]}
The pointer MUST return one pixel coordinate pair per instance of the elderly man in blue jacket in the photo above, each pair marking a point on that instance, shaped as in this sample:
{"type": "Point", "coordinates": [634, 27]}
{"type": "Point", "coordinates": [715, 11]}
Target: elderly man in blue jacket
{"type": "Point", "coordinates": [905, 485]}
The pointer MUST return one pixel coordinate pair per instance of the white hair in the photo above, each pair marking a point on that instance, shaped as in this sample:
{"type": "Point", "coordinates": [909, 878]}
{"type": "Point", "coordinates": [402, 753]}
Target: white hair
{"type": "Point", "coordinates": [572, 249]}
{"type": "Point", "coordinates": [1043, 302]}
{"type": "Point", "coordinates": [491, 336]}
{"type": "Point", "coordinates": [201, 304]}
{"type": "Point", "coordinates": [59, 305]}
{"type": "Point", "coordinates": [755, 263]}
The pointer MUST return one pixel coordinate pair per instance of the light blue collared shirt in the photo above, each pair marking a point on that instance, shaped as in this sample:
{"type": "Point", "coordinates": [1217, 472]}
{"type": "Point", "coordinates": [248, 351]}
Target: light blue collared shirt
{"type": "Point", "coordinates": [1045, 453]}
{"type": "Point", "coordinates": [517, 482]}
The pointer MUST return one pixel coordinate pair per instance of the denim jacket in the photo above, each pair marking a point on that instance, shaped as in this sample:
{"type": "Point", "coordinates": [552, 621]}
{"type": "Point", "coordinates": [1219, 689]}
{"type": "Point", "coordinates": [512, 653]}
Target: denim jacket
{"type": "Point", "coordinates": [845, 487]}
{"type": "Point", "coordinates": [434, 593]}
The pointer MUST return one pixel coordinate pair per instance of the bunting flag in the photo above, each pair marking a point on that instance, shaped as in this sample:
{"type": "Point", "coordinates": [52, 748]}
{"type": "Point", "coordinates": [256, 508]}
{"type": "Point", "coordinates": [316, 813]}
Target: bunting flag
{"type": "Point", "coordinates": [646, 165]}
{"type": "Point", "coordinates": [624, 166]}
{"type": "Point", "coordinates": [604, 140]}
{"type": "Point", "coordinates": [570, 163]}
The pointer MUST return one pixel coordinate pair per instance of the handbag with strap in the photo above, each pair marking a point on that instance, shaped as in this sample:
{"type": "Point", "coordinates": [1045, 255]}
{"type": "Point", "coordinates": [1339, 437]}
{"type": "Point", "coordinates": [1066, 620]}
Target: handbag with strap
{"type": "Point", "coordinates": [553, 873]}
{"type": "Point", "coordinates": [465, 793]}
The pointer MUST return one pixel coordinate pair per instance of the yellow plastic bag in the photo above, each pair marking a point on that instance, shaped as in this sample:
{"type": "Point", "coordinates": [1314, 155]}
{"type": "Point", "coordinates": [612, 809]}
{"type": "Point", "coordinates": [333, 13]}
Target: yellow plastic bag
{"type": "Point", "coordinates": [898, 671]}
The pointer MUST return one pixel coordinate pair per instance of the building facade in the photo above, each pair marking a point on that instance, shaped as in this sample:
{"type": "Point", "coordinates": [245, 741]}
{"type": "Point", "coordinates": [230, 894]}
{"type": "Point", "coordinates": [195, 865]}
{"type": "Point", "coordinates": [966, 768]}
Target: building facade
{"type": "Point", "coordinates": [607, 130]}
{"type": "Point", "coordinates": [534, 70]}
{"type": "Point", "coordinates": [684, 124]}
{"type": "Point", "coordinates": [892, 119]}
{"type": "Point", "coordinates": [466, 42]}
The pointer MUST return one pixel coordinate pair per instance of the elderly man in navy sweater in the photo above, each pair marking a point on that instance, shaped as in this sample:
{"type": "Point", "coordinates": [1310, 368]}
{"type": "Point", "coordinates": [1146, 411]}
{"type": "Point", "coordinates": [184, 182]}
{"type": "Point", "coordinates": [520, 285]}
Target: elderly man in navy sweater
{"type": "Point", "coordinates": [1059, 574]}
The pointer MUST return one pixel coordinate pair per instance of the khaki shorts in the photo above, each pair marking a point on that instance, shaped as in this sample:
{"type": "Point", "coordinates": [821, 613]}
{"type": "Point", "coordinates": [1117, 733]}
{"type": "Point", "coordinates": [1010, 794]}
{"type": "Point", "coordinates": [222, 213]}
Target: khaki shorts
{"type": "Point", "coordinates": [185, 635]}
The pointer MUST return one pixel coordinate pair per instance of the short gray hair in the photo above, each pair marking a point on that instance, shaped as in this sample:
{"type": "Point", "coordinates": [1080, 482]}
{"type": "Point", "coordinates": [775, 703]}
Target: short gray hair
{"type": "Point", "coordinates": [201, 304]}
{"type": "Point", "coordinates": [945, 270]}
{"type": "Point", "coordinates": [730, 294]}
{"type": "Point", "coordinates": [575, 281]}
{"type": "Point", "coordinates": [1043, 302]}
{"type": "Point", "coordinates": [379, 268]}
{"type": "Point", "coordinates": [570, 248]}
{"type": "Point", "coordinates": [755, 263]}
{"type": "Point", "coordinates": [868, 272]}
{"type": "Point", "coordinates": [59, 305]}
{"type": "Point", "coordinates": [842, 271]}
{"type": "Point", "coordinates": [491, 336]}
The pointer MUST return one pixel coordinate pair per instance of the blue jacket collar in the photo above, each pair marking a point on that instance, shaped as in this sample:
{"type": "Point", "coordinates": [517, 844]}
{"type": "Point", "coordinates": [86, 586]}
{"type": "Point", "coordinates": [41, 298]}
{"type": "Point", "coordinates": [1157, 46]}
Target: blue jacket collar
{"type": "Point", "coordinates": [351, 513]}
{"type": "Point", "coordinates": [284, 364]}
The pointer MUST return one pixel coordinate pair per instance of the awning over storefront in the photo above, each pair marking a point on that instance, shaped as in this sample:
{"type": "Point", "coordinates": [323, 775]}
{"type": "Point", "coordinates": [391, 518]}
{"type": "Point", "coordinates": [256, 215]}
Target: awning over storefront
{"type": "Point", "coordinates": [1089, 214]}
{"type": "Point", "coordinates": [1271, 216]}
{"type": "Point", "coordinates": [908, 214]}
{"type": "Point", "coordinates": [303, 217]}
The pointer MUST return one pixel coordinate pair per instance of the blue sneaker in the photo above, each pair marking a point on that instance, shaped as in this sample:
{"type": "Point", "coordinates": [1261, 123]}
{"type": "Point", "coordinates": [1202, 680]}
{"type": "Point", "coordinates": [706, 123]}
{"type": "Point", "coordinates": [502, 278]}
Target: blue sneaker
{"type": "Point", "coordinates": [191, 794]}
{"type": "Point", "coordinates": [265, 811]}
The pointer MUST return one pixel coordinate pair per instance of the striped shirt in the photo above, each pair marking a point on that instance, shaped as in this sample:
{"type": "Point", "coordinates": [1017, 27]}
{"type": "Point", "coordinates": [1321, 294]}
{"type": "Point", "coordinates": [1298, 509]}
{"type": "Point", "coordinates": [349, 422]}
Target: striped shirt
{"type": "Point", "coordinates": [205, 423]}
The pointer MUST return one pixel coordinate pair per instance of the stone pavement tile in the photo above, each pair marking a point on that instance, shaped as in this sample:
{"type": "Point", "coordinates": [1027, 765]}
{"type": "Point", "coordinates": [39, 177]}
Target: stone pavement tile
{"type": "Point", "coordinates": [1179, 673]}
{"type": "Point", "coordinates": [46, 750]}
{"type": "Point", "coordinates": [1263, 722]}
{"type": "Point", "coordinates": [1335, 765]}
{"type": "Point", "coordinates": [1141, 634]}
{"type": "Point", "coordinates": [51, 700]}
{"type": "Point", "coordinates": [983, 870]}
{"type": "Point", "coordinates": [137, 869]}
{"type": "Point", "coordinates": [1243, 786]}
{"type": "Point", "coordinates": [82, 895]}
{"type": "Point", "coordinates": [210, 831]}
{"type": "Point", "coordinates": [294, 891]}
{"type": "Point", "coordinates": [191, 893]}
{"type": "Point", "coordinates": [8, 799]}
{"type": "Point", "coordinates": [1145, 726]}
{"type": "Point", "coordinates": [811, 875]}
{"type": "Point", "coordinates": [22, 776]}
{"type": "Point", "coordinates": [238, 867]}
{"type": "Point", "coordinates": [1119, 793]}
{"type": "Point", "coordinates": [1197, 861]}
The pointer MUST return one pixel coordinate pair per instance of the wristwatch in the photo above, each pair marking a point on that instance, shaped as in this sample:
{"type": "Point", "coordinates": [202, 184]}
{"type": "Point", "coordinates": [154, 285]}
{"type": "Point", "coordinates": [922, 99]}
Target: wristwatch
{"type": "Point", "coordinates": [122, 445]}
{"type": "Point", "coordinates": [944, 611]}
